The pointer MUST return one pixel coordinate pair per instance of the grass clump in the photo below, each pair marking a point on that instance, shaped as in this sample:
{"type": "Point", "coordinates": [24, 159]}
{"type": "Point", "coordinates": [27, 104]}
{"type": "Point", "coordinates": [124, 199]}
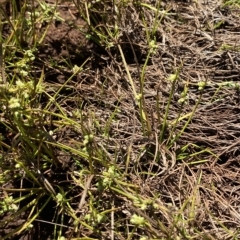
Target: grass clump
{"type": "Point", "coordinates": [114, 124]}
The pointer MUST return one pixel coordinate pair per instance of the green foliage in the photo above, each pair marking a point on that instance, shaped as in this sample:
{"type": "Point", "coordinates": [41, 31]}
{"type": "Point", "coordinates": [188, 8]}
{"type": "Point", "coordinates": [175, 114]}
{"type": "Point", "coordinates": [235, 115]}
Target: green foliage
{"type": "Point", "coordinates": [103, 178]}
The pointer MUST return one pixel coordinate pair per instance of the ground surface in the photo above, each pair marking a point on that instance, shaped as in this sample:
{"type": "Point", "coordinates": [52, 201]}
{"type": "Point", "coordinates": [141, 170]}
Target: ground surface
{"type": "Point", "coordinates": [196, 181]}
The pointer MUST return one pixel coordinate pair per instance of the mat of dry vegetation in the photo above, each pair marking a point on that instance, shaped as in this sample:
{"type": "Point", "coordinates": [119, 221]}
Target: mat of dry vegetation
{"type": "Point", "coordinates": [195, 182]}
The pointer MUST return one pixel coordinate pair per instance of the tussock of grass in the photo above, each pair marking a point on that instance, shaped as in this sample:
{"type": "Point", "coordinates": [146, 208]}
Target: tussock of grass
{"type": "Point", "coordinates": [140, 139]}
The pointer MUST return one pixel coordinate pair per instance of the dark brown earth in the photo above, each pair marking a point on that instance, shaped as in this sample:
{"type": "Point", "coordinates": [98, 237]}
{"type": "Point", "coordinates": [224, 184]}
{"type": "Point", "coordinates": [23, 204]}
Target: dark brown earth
{"type": "Point", "coordinates": [184, 41]}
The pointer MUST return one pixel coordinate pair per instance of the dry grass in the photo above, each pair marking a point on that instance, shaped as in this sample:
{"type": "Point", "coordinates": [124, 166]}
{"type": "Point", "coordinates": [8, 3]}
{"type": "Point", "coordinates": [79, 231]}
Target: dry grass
{"type": "Point", "coordinates": [136, 133]}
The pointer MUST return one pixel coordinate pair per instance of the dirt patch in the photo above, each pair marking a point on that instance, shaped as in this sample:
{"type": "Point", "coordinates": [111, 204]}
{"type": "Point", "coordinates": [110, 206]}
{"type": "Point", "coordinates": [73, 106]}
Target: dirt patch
{"type": "Point", "coordinates": [65, 44]}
